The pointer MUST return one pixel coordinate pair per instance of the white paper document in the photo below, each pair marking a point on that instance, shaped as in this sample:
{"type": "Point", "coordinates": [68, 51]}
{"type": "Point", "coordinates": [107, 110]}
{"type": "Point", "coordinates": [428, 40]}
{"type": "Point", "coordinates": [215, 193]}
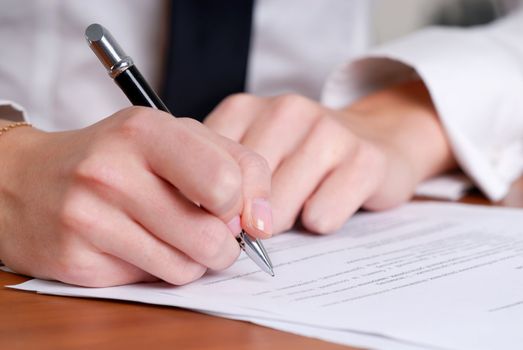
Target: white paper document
{"type": "Point", "coordinates": [426, 275]}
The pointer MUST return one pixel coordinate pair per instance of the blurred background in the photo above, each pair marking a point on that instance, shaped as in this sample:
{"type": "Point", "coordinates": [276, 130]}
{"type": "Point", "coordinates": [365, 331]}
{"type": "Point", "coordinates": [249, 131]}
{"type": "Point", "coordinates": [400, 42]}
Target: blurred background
{"type": "Point", "coordinates": [395, 18]}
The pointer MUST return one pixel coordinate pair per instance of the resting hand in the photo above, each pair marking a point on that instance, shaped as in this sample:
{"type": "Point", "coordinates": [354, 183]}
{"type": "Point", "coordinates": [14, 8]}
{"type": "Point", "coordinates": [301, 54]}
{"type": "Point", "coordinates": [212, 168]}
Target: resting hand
{"type": "Point", "coordinates": [136, 197]}
{"type": "Point", "coordinates": [328, 163]}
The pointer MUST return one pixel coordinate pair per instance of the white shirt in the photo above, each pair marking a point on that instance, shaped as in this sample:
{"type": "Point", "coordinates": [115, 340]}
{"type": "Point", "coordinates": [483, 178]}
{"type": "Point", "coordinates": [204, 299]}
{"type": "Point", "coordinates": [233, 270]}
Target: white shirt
{"type": "Point", "coordinates": [475, 76]}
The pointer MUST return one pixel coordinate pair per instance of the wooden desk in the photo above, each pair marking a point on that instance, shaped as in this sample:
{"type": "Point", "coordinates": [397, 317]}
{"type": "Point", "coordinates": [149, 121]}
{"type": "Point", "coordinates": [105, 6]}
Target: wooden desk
{"type": "Point", "coordinates": [30, 321]}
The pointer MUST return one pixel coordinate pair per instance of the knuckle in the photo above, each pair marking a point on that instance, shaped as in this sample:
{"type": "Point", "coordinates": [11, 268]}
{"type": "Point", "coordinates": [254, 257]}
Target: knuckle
{"type": "Point", "coordinates": [136, 119]}
{"type": "Point", "coordinates": [210, 241]}
{"type": "Point", "coordinates": [285, 107]}
{"type": "Point", "coordinates": [98, 171]}
{"type": "Point", "coordinates": [289, 101]}
{"type": "Point", "coordinates": [75, 215]}
{"type": "Point", "coordinates": [223, 185]}
{"type": "Point", "coordinates": [237, 101]}
{"type": "Point", "coordinates": [253, 161]}
{"type": "Point", "coordinates": [327, 141]}
{"type": "Point", "coordinates": [327, 127]}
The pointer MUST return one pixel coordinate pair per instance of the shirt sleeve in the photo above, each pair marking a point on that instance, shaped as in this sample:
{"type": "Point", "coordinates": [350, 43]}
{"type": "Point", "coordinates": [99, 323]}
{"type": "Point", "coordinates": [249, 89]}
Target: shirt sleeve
{"type": "Point", "coordinates": [475, 79]}
{"type": "Point", "coordinates": [12, 111]}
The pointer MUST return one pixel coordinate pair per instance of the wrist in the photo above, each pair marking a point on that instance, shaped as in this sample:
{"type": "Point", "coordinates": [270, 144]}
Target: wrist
{"type": "Point", "coordinates": [403, 122]}
{"type": "Point", "coordinates": [15, 145]}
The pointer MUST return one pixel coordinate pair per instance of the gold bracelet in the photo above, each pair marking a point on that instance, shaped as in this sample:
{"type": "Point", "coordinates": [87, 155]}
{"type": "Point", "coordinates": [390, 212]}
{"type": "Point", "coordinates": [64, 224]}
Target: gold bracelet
{"type": "Point", "coordinates": [12, 126]}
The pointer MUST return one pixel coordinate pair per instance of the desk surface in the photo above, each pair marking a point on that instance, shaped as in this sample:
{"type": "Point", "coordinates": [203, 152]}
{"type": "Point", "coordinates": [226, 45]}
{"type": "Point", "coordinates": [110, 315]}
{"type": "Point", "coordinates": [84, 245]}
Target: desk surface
{"type": "Point", "coordinates": [30, 321]}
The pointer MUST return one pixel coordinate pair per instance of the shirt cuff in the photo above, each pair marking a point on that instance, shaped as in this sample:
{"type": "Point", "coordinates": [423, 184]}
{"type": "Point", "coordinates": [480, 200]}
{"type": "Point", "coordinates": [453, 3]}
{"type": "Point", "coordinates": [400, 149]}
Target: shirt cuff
{"type": "Point", "coordinates": [10, 110]}
{"type": "Point", "coordinates": [476, 83]}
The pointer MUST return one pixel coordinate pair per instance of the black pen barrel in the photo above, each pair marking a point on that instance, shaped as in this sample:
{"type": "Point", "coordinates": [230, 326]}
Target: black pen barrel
{"type": "Point", "coordinates": [137, 90]}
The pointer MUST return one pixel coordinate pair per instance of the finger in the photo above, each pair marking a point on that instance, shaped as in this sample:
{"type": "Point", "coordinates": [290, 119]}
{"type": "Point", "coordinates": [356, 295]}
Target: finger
{"type": "Point", "coordinates": [281, 128]}
{"type": "Point", "coordinates": [162, 210]}
{"type": "Point", "coordinates": [78, 262]}
{"type": "Point", "coordinates": [98, 270]}
{"type": "Point", "coordinates": [302, 172]}
{"type": "Point", "coordinates": [111, 231]}
{"type": "Point", "coordinates": [343, 192]}
{"type": "Point", "coordinates": [233, 116]}
{"type": "Point", "coordinates": [131, 243]}
{"type": "Point", "coordinates": [256, 216]}
{"type": "Point", "coordinates": [167, 214]}
{"type": "Point", "coordinates": [116, 272]}
{"type": "Point", "coordinates": [204, 173]}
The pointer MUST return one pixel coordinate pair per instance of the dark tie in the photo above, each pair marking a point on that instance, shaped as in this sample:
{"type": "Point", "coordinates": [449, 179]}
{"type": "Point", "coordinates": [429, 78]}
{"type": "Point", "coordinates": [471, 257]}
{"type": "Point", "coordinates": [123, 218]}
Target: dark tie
{"type": "Point", "coordinates": [207, 55]}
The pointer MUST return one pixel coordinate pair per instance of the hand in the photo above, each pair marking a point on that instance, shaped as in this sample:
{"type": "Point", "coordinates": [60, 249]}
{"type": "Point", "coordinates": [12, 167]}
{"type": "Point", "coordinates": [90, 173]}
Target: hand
{"type": "Point", "coordinates": [327, 163]}
{"type": "Point", "coordinates": [136, 197]}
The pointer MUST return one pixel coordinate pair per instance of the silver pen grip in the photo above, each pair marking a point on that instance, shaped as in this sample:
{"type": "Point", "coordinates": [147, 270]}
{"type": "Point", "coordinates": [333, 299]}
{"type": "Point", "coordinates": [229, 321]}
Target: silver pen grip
{"type": "Point", "coordinates": [256, 251]}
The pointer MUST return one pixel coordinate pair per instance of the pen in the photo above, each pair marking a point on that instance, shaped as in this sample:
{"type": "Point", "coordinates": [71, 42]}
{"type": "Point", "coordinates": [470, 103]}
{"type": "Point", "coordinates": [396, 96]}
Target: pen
{"type": "Point", "coordinates": [123, 71]}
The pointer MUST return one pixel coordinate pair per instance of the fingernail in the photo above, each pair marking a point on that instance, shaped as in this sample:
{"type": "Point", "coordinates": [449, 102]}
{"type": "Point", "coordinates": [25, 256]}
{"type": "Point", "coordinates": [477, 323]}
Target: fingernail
{"type": "Point", "coordinates": [235, 225]}
{"type": "Point", "coordinates": [261, 215]}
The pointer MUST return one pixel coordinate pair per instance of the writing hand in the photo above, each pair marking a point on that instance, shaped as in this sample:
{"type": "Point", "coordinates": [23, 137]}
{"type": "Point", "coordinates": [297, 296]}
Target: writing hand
{"type": "Point", "coordinates": [136, 197]}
